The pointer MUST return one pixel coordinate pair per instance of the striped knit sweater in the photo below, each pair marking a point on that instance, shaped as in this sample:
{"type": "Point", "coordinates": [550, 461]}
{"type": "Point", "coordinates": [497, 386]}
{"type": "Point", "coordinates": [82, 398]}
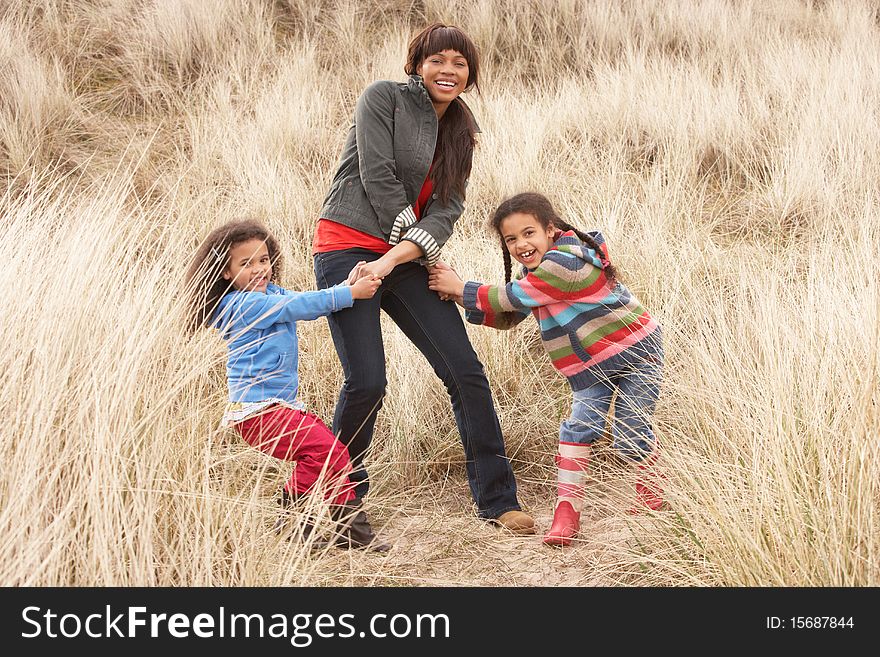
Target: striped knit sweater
{"type": "Point", "coordinates": [584, 317]}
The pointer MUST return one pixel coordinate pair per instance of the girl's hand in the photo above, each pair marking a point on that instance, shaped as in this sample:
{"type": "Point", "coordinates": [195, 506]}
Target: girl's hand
{"type": "Point", "coordinates": [365, 287]}
{"type": "Point", "coordinates": [355, 273]}
{"type": "Point", "coordinates": [444, 297]}
{"type": "Point", "coordinates": [440, 265]}
{"type": "Point", "coordinates": [445, 282]}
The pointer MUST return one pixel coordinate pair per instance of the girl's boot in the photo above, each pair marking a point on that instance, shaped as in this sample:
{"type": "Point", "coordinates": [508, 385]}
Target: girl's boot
{"type": "Point", "coordinates": [286, 502]}
{"type": "Point", "coordinates": [572, 461]}
{"type": "Point", "coordinates": [307, 533]}
{"type": "Point", "coordinates": [649, 486]}
{"type": "Point", "coordinates": [354, 528]}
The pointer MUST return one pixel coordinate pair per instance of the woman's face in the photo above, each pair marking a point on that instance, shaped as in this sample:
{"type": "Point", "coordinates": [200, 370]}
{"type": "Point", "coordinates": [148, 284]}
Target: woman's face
{"type": "Point", "coordinates": [445, 74]}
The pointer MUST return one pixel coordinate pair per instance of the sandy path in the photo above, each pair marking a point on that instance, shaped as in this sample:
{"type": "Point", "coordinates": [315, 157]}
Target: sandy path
{"type": "Point", "coordinates": [439, 542]}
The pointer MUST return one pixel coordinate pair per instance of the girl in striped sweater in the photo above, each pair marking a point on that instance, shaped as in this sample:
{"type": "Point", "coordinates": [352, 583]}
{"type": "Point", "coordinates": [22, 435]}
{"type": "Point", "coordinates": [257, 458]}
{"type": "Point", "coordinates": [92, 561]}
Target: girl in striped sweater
{"type": "Point", "coordinates": [596, 333]}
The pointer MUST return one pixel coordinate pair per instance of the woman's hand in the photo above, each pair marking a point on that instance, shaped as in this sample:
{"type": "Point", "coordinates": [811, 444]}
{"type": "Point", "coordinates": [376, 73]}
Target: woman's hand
{"type": "Point", "coordinates": [399, 254]}
{"type": "Point", "coordinates": [365, 287]}
{"type": "Point", "coordinates": [445, 282]}
{"type": "Point", "coordinates": [379, 268]}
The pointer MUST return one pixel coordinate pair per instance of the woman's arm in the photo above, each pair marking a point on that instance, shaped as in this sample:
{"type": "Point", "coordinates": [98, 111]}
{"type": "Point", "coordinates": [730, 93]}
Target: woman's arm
{"type": "Point", "coordinates": [403, 252]}
{"type": "Point", "coordinates": [435, 227]}
{"type": "Point", "coordinates": [438, 219]}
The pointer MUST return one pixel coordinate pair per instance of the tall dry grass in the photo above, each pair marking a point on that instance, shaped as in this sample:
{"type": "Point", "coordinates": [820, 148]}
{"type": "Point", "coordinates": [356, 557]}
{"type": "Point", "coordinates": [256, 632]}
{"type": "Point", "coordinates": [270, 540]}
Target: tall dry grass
{"type": "Point", "coordinates": [729, 151]}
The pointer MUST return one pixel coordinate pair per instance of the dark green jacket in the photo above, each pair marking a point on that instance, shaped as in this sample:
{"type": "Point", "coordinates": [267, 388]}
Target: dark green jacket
{"type": "Point", "coordinates": [384, 162]}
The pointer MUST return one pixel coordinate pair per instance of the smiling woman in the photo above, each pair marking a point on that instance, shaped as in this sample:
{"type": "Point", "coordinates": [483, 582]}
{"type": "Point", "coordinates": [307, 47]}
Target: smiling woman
{"type": "Point", "coordinates": [396, 195]}
{"type": "Point", "coordinates": [445, 76]}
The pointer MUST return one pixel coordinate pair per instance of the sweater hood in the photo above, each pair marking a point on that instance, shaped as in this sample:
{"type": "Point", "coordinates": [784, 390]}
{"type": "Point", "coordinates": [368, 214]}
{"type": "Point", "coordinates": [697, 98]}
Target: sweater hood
{"type": "Point", "coordinates": [568, 242]}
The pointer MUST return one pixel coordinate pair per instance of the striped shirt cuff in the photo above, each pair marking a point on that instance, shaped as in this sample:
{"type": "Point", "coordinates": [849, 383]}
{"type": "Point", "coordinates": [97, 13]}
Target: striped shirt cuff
{"type": "Point", "coordinates": [404, 220]}
{"type": "Point", "coordinates": [426, 242]}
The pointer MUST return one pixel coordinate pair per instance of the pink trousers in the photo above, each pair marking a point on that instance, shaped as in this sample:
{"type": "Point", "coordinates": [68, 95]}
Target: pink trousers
{"type": "Point", "coordinates": [303, 438]}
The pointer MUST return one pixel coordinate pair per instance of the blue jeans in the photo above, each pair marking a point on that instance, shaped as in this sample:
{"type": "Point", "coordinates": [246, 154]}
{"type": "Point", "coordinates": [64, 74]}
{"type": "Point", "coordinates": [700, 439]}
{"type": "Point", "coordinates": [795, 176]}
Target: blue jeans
{"type": "Point", "coordinates": [635, 376]}
{"type": "Point", "coordinates": [436, 328]}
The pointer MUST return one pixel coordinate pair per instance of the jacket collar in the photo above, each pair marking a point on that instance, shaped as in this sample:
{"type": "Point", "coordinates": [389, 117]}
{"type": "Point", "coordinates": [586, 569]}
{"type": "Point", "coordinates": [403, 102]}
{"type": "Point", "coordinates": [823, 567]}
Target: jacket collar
{"type": "Point", "coordinates": [416, 86]}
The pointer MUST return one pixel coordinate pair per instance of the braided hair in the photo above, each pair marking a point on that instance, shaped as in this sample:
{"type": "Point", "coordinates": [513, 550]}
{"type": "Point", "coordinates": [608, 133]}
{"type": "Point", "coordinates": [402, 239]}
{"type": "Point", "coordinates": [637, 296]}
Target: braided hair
{"type": "Point", "coordinates": [539, 206]}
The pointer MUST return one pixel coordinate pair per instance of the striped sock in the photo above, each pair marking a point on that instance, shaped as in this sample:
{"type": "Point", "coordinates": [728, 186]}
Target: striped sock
{"type": "Point", "coordinates": [572, 461]}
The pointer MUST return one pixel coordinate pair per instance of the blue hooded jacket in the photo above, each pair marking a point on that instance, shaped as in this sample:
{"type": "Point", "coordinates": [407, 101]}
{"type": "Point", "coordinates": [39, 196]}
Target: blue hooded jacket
{"type": "Point", "coordinates": [260, 333]}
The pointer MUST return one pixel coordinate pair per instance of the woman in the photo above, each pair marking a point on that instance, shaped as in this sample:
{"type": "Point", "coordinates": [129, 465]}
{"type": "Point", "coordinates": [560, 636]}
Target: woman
{"type": "Point", "coordinates": [394, 200]}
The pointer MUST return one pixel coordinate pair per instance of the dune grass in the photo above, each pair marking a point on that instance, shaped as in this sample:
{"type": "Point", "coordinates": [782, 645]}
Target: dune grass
{"type": "Point", "coordinates": [728, 151]}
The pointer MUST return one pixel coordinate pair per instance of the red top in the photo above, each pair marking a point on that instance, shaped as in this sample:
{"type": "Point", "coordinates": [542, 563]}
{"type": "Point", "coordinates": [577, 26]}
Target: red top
{"type": "Point", "coordinates": [333, 236]}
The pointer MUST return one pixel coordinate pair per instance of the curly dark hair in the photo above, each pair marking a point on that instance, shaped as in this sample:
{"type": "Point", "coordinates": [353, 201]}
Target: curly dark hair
{"type": "Point", "coordinates": [540, 208]}
{"type": "Point", "coordinates": [204, 280]}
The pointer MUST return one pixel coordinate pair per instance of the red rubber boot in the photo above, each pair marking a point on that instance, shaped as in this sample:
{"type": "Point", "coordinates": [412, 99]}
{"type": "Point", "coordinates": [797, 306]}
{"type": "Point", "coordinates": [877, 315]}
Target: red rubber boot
{"type": "Point", "coordinates": [566, 524]}
{"type": "Point", "coordinates": [649, 487]}
{"type": "Point", "coordinates": [572, 461]}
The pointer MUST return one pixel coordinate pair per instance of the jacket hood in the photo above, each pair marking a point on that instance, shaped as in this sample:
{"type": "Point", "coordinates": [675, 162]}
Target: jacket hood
{"type": "Point", "coordinates": [569, 242]}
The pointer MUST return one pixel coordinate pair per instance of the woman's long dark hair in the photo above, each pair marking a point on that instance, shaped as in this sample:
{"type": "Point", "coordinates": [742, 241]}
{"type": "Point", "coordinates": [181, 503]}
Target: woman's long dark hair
{"type": "Point", "coordinates": [456, 134]}
{"type": "Point", "coordinates": [540, 208]}
{"type": "Point", "coordinates": [204, 280]}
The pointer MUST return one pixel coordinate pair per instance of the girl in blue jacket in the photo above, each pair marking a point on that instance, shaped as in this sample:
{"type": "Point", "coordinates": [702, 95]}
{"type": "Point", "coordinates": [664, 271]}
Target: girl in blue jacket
{"type": "Point", "coordinates": [230, 279]}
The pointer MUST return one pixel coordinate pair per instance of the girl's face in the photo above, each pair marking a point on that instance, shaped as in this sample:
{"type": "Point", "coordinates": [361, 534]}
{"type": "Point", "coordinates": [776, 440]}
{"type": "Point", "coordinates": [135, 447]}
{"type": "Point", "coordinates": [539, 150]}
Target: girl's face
{"type": "Point", "coordinates": [445, 74]}
{"type": "Point", "coordinates": [526, 240]}
{"type": "Point", "coordinates": [250, 267]}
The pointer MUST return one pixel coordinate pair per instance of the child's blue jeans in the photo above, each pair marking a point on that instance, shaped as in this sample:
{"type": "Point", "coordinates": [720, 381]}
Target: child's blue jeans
{"type": "Point", "coordinates": [635, 376]}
